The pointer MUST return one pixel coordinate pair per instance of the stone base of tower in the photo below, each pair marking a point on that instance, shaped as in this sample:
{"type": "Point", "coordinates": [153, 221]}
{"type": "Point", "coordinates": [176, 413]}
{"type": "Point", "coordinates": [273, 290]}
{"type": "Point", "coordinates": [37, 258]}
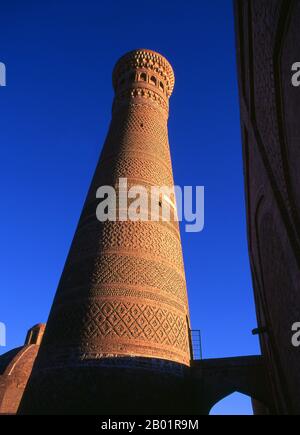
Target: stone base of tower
{"type": "Point", "coordinates": [145, 386]}
{"type": "Point", "coordinates": [137, 386]}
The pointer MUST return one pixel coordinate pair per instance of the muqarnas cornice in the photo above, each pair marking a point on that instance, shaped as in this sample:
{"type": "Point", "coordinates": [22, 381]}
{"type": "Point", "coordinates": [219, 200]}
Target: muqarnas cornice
{"type": "Point", "coordinates": [144, 77]}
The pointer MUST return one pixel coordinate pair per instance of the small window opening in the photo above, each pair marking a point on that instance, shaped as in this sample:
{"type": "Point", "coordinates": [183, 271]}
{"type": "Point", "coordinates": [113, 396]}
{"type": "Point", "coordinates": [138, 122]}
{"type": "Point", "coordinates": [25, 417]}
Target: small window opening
{"type": "Point", "coordinates": [153, 81]}
{"type": "Point", "coordinates": [143, 77]}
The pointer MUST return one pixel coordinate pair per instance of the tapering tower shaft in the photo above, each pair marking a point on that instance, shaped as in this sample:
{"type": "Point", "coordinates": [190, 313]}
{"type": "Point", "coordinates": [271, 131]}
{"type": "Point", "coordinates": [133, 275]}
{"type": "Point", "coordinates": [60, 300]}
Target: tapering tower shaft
{"type": "Point", "coordinates": [122, 295]}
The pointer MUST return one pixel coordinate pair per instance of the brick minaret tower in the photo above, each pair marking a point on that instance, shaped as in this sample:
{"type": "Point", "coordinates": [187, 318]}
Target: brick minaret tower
{"type": "Point", "coordinates": [117, 338]}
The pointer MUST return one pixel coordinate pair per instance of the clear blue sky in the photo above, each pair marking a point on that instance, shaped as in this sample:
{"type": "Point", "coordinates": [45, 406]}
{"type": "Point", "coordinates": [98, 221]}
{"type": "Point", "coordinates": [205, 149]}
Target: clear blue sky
{"type": "Point", "coordinates": [55, 113]}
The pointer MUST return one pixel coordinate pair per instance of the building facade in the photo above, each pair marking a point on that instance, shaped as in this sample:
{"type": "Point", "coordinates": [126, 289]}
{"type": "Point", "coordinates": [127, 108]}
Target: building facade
{"type": "Point", "coordinates": [268, 46]}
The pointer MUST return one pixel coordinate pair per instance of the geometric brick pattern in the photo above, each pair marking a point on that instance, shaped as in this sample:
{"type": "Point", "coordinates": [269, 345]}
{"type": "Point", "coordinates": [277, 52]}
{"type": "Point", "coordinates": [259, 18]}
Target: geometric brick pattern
{"type": "Point", "coordinates": [121, 270]}
{"type": "Point", "coordinates": [123, 292]}
{"type": "Point", "coordinates": [112, 319]}
{"type": "Point", "coordinates": [154, 239]}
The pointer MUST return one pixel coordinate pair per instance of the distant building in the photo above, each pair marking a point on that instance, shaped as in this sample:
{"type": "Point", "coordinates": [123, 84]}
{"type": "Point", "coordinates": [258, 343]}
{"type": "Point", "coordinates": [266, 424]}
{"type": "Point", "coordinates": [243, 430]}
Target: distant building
{"type": "Point", "coordinates": [15, 369]}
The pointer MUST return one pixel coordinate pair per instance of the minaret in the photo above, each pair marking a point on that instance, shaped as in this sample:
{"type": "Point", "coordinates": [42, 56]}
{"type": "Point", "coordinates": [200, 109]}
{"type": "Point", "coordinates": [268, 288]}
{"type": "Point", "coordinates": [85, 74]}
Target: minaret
{"type": "Point", "coordinates": [117, 338]}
